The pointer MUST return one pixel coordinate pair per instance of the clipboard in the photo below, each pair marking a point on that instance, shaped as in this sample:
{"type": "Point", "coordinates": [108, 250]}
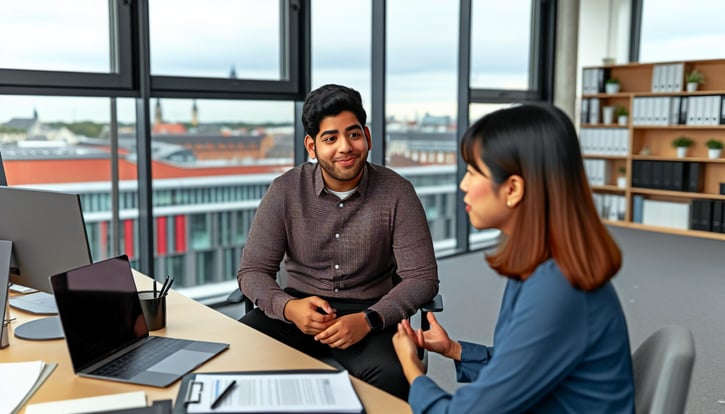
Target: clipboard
{"type": "Point", "coordinates": [190, 389]}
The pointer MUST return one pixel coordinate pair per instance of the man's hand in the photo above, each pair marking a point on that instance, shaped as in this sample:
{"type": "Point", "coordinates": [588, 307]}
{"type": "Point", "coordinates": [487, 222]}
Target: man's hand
{"type": "Point", "coordinates": [305, 315]}
{"type": "Point", "coordinates": [345, 331]}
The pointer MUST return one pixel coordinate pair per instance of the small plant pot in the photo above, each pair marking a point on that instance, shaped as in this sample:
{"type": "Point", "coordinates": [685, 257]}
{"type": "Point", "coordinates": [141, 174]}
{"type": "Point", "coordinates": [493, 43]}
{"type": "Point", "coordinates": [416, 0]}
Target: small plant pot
{"type": "Point", "coordinates": [691, 86]}
{"type": "Point", "coordinates": [622, 181]}
{"type": "Point", "coordinates": [608, 114]}
{"type": "Point", "coordinates": [611, 87]}
{"type": "Point", "coordinates": [622, 120]}
{"type": "Point", "coordinates": [713, 153]}
{"type": "Point", "coordinates": [681, 152]}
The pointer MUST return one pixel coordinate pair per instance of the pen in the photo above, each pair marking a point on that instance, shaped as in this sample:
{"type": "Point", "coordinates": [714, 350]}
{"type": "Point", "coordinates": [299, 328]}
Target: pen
{"type": "Point", "coordinates": [224, 393]}
{"type": "Point", "coordinates": [166, 287]}
{"type": "Point", "coordinates": [163, 286]}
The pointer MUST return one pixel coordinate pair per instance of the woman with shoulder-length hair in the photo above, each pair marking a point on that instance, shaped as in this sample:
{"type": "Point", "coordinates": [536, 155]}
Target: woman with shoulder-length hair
{"type": "Point", "coordinates": [561, 341]}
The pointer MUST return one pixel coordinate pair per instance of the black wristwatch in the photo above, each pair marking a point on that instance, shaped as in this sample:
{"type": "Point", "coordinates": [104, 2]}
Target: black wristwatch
{"type": "Point", "coordinates": [375, 322]}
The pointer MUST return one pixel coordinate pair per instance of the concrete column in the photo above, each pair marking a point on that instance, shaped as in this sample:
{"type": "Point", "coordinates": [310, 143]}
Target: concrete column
{"type": "Point", "coordinates": [566, 44]}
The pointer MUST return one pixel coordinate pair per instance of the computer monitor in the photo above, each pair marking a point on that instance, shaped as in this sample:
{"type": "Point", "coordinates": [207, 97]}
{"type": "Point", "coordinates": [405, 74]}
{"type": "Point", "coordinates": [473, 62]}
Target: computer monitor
{"type": "Point", "coordinates": [3, 179]}
{"type": "Point", "coordinates": [48, 236]}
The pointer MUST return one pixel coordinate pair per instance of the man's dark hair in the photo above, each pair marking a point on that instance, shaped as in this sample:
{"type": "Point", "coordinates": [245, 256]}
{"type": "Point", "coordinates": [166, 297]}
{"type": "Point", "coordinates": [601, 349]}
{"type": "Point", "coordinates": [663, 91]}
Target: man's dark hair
{"type": "Point", "coordinates": [330, 100]}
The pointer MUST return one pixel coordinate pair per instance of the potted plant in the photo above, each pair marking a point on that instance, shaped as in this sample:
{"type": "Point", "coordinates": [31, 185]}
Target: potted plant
{"type": "Point", "coordinates": [621, 112]}
{"type": "Point", "coordinates": [714, 147]}
{"type": "Point", "coordinates": [682, 143]}
{"type": "Point", "coordinates": [611, 85]}
{"type": "Point", "coordinates": [622, 177]}
{"type": "Point", "coordinates": [694, 78]}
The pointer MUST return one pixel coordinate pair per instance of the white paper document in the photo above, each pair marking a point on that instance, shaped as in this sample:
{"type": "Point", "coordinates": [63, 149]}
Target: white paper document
{"type": "Point", "coordinates": [275, 393]}
{"type": "Point", "coordinates": [19, 381]}
{"type": "Point", "coordinates": [119, 401]}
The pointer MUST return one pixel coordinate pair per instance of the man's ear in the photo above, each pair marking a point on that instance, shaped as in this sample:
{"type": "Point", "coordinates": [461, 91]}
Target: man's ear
{"type": "Point", "coordinates": [368, 136]}
{"type": "Point", "coordinates": [310, 146]}
{"type": "Point", "coordinates": [514, 190]}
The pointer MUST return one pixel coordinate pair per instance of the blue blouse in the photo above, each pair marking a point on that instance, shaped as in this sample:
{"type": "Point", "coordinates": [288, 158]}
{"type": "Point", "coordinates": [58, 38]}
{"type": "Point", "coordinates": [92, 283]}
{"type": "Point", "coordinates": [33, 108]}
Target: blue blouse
{"type": "Point", "coordinates": [558, 350]}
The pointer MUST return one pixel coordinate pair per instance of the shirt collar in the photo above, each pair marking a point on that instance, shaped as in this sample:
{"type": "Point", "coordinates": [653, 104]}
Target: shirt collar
{"type": "Point", "coordinates": [319, 183]}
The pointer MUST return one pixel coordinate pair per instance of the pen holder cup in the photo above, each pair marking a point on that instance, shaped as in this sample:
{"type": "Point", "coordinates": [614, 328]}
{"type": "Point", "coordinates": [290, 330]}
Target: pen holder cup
{"type": "Point", "coordinates": [154, 309]}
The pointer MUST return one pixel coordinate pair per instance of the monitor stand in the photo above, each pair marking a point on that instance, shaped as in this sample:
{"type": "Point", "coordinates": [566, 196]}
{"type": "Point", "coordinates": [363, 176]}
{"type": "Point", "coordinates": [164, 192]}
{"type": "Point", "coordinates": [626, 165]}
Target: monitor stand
{"type": "Point", "coordinates": [43, 329]}
{"type": "Point", "coordinates": [6, 248]}
{"type": "Point", "coordinates": [35, 330]}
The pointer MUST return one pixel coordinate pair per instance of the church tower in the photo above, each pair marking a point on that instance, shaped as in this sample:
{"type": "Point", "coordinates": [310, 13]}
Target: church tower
{"type": "Point", "coordinates": [158, 119]}
{"type": "Point", "coordinates": [194, 115]}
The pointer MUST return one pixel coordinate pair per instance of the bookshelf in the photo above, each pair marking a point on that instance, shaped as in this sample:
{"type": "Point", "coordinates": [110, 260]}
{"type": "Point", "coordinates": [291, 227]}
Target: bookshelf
{"type": "Point", "coordinates": [660, 191]}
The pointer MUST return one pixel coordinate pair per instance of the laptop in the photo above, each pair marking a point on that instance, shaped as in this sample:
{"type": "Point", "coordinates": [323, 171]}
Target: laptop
{"type": "Point", "coordinates": [106, 333]}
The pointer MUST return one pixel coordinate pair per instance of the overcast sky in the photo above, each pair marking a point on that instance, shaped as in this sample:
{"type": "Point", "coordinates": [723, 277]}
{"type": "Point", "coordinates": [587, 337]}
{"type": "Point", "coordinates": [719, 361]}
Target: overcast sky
{"type": "Point", "coordinates": [190, 40]}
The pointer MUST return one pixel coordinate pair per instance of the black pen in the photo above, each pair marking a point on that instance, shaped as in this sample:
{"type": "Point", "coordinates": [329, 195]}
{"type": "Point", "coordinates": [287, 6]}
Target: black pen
{"type": "Point", "coordinates": [224, 393]}
{"type": "Point", "coordinates": [163, 286]}
{"type": "Point", "coordinates": [166, 287]}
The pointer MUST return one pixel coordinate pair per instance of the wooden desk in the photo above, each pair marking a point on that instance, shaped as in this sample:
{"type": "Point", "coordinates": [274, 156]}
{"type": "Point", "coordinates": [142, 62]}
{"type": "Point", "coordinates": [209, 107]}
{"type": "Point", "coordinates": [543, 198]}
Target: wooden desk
{"type": "Point", "coordinates": [248, 350]}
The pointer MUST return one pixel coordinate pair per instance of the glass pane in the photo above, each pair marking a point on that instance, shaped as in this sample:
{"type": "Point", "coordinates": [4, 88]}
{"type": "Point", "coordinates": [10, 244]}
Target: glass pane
{"type": "Point", "coordinates": [212, 161]}
{"type": "Point", "coordinates": [421, 107]}
{"type": "Point", "coordinates": [63, 144]}
{"type": "Point", "coordinates": [488, 237]}
{"type": "Point", "coordinates": [695, 31]}
{"type": "Point", "coordinates": [217, 39]}
{"type": "Point", "coordinates": [54, 35]}
{"type": "Point", "coordinates": [500, 44]}
{"type": "Point", "coordinates": [345, 63]}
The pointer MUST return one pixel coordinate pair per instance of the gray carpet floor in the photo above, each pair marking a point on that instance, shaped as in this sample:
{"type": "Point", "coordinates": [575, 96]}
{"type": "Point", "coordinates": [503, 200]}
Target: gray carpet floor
{"type": "Point", "coordinates": [665, 279]}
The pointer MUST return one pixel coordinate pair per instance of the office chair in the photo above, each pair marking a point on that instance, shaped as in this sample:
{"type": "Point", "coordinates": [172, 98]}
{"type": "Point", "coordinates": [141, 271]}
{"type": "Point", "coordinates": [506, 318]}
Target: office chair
{"type": "Point", "coordinates": [434, 305]}
{"type": "Point", "coordinates": [662, 369]}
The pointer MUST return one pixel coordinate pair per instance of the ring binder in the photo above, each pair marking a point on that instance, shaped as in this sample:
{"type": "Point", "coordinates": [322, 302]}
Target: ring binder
{"type": "Point", "coordinates": [193, 393]}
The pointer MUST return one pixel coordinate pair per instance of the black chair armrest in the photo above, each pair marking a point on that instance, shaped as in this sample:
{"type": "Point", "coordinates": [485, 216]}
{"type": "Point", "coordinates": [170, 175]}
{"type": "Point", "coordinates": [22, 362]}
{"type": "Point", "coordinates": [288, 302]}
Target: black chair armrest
{"type": "Point", "coordinates": [236, 296]}
{"type": "Point", "coordinates": [435, 304]}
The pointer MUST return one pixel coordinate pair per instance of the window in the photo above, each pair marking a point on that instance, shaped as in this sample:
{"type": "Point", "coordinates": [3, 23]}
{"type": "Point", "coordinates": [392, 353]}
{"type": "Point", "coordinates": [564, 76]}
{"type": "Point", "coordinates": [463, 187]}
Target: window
{"type": "Point", "coordinates": [694, 31]}
{"type": "Point", "coordinates": [34, 25]}
{"type": "Point", "coordinates": [244, 46]}
{"type": "Point", "coordinates": [421, 102]}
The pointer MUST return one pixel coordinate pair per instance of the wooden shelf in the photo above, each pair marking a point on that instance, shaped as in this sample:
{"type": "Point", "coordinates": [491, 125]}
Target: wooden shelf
{"type": "Point", "coordinates": [609, 188]}
{"type": "Point", "coordinates": [688, 159]}
{"type": "Point", "coordinates": [667, 230]}
{"type": "Point", "coordinates": [604, 157]}
{"type": "Point", "coordinates": [677, 194]}
{"type": "Point", "coordinates": [678, 127]}
{"type": "Point", "coordinates": [636, 83]}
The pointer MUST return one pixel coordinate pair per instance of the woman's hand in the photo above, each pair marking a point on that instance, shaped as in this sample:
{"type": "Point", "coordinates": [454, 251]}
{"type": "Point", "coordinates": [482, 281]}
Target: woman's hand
{"type": "Point", "coordinates": [435, 339]}
{"type": "Point", "coordinates": [407, 351]}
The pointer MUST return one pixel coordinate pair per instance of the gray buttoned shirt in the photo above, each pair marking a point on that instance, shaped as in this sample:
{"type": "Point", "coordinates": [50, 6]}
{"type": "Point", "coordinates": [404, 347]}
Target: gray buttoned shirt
{"type": "Point", "coordinates": [343, 249]}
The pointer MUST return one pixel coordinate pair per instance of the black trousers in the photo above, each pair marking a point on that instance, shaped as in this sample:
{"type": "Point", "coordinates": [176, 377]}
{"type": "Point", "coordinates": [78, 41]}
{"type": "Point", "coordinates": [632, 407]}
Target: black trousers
{"type": "Point", "coordinates": [372, 360]}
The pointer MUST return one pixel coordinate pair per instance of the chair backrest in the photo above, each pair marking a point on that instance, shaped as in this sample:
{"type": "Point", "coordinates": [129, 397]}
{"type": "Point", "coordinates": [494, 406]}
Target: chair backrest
{"type": "Point", "coordinates": [662, 370]}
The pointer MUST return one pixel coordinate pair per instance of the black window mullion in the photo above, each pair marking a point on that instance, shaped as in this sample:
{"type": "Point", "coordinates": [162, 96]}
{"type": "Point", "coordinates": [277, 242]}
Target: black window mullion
{"type": "Point", "coordinates": [143, 143]}
{"type": "Point", "coordinates": [465, 97]}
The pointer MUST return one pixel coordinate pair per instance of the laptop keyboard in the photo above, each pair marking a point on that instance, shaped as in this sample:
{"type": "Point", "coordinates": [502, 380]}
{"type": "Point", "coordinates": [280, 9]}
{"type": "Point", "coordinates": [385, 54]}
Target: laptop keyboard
{"type": "Point", "coordinates": [139, 359]}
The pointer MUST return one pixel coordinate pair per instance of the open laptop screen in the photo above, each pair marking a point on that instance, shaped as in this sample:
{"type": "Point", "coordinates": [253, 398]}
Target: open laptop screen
{"type": "Point", "coordinates": [99, 308]}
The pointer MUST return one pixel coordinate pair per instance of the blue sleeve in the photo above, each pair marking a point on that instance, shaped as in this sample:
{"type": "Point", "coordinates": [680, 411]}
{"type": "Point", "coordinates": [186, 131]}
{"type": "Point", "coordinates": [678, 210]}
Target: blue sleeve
{"type": "Point", "coordinates": [535, 351]}
{"type": "Point", "coordinates": [473, 358]}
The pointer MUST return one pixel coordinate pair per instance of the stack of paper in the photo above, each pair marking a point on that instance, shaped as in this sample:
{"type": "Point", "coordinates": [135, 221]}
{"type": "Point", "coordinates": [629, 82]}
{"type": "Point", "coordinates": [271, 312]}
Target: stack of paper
{"type": "Point", "coordinates": [19, 381]}
{"type": "Point", "coordinates": [133, 399]}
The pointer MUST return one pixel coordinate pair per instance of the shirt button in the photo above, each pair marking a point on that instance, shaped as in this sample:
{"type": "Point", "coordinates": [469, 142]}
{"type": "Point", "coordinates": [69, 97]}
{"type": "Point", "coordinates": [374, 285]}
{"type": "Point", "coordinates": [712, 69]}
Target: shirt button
{"type": "Point", "coordinates": [337, 267]}
{"type": "Point", "coordinates": [340, 205]}
{"type": "Point", "coordinates": [337, 290]}
{"type": "Point", "coordinates": [337, 235]}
